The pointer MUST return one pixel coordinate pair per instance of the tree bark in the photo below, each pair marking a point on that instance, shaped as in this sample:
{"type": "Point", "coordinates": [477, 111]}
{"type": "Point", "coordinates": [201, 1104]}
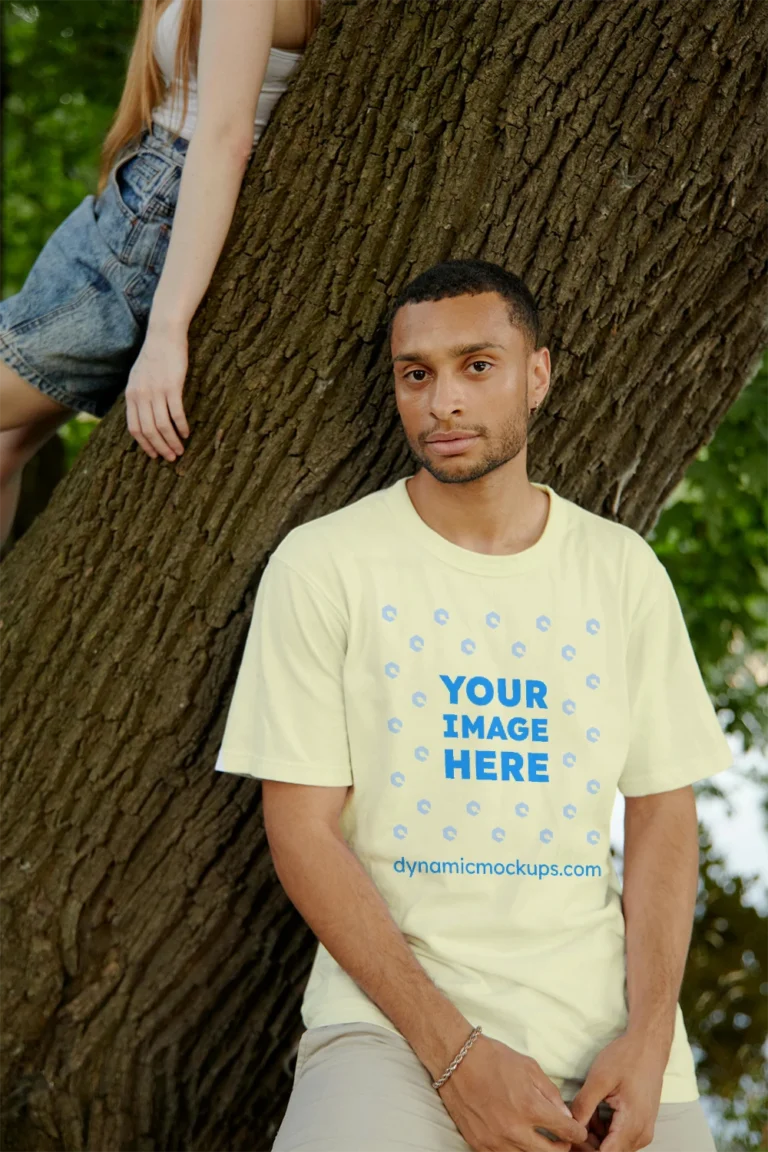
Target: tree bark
{"type": "Point", "coordinates": [613, 155]}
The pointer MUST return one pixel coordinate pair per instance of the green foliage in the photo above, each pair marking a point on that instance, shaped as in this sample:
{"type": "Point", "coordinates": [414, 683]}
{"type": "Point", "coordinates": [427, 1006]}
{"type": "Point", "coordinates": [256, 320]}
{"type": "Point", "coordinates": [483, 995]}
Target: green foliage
{"type": "Point", "coordinates": [712, 536]}
{"type": "Point", "coordinates": [723, 996]}
{"type": "Point", "coordinates": [63, 73]}
{"type": "Point", "coordinates": [75, 434]}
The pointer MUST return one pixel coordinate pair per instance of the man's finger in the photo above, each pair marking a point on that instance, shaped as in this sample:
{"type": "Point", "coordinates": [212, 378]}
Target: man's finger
{"type": "Point", "coordinates": [596, 1130]}
{"type": "Point", "coordinates": [554, 1119]}
{"type": "Point", "coordinates": [623, 1133]}
{"type": "Point", "coordinates": [588, 1097]}
{"type": "Point", "coordinates": [554, 1137]}
{"type": "Point", "coordinates": [592, 1142]}
{"type": "Point", "coordinates": [561, 1128]}
{"type": "Point", "coordinates": [546, 1088]}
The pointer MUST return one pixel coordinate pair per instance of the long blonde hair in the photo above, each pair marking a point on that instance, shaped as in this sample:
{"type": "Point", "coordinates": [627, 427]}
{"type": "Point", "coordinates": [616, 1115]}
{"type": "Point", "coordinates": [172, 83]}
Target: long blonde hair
{"type": "Point", "coordinates": [144, 82]}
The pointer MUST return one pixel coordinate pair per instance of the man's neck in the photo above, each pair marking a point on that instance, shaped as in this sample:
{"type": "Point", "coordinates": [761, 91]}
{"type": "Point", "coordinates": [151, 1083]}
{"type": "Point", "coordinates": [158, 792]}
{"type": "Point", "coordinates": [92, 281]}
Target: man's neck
{"type": "Point", "coordinates": [499, 514]}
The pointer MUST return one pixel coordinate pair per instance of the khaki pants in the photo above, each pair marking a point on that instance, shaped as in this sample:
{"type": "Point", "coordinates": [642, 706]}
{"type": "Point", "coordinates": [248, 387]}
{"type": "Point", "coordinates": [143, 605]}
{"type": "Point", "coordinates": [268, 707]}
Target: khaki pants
{"type": "Point", "coordinates": [361, 1088]}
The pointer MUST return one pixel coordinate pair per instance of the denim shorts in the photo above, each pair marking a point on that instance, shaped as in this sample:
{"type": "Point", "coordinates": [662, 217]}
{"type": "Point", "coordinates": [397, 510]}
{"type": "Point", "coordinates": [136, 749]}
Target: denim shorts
{"type": "Point", "coordinates": [78, 323]}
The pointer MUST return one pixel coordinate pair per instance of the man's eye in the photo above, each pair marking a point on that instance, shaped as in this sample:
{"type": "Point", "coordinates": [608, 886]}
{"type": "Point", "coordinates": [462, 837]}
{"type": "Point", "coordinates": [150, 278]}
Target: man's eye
{"type": "Point", "coordinates": [413, 371]}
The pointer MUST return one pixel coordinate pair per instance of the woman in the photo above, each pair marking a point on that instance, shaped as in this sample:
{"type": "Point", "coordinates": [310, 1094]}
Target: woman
{"type": "Point", "coordinates": [108, 302]}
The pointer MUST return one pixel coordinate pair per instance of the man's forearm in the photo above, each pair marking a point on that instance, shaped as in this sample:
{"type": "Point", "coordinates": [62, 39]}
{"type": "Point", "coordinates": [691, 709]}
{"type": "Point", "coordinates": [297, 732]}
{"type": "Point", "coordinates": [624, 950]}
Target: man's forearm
{"type": "Point", "coordinates": [661, 866]}
{"type": "Point", "coordinates": [327, 884]}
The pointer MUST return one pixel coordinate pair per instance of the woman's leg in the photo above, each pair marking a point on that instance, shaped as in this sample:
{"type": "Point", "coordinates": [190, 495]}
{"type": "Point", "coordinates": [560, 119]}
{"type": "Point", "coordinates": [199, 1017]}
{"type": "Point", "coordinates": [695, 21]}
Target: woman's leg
{"type": "Point", "coordinates": [27, 419]}
{"type": "Point", "coordinates": [22, 404]}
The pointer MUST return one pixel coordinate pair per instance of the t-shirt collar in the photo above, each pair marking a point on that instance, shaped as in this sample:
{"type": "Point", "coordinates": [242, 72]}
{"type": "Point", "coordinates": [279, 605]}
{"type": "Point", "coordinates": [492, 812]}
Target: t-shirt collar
{"type": "Point", "coordinates": [482, 563]}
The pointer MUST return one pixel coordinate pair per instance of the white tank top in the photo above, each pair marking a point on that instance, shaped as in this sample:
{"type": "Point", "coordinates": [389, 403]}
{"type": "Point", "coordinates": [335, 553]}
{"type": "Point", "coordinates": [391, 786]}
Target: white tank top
{"type": "Point", "coordinates": [280, 64]}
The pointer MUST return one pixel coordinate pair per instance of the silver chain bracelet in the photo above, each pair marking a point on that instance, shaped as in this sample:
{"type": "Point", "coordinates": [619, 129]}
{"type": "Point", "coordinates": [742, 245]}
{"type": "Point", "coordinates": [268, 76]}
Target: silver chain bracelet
{"type": "Point", "coordinates": [458, 1057]}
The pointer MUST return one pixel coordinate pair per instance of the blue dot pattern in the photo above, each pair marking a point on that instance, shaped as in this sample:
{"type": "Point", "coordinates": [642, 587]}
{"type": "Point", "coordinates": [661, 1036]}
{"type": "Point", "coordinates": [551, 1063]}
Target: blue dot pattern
{"type": "Point", "coordinates": [570, 705]}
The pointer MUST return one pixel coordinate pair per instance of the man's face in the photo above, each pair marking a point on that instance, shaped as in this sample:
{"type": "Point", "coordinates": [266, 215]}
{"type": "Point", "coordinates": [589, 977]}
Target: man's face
{"type": "Point", "coordinates": [461, 366]}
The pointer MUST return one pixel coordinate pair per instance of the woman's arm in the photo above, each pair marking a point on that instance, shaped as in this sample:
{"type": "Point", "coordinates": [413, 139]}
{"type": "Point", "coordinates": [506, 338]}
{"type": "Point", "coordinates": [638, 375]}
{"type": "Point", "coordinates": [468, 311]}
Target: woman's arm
{"type": "Point", "coordinates": [235, 39]}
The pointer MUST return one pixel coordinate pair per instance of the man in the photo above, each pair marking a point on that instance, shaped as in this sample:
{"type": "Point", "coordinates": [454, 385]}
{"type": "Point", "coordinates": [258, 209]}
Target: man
{"type": "Point", "coordinates": [442, 686]}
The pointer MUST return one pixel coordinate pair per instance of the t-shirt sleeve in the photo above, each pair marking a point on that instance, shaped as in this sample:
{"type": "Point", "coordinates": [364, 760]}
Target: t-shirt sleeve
{"type": "Point", "coordinates": [675, 736]}
{"type": "Point", "coordinates": [286, 719]}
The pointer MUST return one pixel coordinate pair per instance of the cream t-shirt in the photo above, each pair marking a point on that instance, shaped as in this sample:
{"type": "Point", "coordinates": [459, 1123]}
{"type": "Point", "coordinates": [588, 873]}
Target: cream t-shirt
{"type": "Point", "coordinates": [485, 708]}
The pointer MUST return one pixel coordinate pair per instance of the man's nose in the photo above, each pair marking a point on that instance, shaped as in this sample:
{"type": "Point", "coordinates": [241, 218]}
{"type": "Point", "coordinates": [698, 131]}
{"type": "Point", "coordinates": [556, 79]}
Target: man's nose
{"type": "Point", "coordinates": [446, 397]}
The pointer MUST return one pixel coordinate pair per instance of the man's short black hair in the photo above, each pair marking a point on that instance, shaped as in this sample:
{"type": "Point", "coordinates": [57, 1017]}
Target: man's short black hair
{"type": "Point", "coordinates": [457, 277]}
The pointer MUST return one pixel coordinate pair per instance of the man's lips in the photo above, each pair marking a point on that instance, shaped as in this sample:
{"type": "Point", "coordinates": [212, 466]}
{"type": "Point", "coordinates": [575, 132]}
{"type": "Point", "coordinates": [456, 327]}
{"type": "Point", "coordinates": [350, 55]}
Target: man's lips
{"type": "Point", "coordinates": [451, 443]}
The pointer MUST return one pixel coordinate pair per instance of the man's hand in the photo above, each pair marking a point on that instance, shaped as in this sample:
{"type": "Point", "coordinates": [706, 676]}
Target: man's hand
{"type": "Point", "coordinates": [153, 394]}
{"type": "Point", "coordinates": [498, 1098]}
{"type": "Point", "coordinates": [628, 1076]}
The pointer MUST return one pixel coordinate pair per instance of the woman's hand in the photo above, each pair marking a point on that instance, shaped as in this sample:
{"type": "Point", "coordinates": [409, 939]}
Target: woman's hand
{"type": "Point", "coordinates": [153, 393]}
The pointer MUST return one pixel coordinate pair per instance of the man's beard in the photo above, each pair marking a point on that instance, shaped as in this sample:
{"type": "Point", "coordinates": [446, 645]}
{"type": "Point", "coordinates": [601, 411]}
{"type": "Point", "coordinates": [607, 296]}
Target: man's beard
{"type": "Point", "coordinates": [509, 443]}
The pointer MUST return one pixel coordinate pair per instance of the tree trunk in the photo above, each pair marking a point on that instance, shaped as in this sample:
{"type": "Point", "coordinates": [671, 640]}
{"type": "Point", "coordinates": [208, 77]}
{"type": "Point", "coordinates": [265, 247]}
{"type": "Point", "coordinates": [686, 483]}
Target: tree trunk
{"type": "Point", "coordinates": [610, 154]}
